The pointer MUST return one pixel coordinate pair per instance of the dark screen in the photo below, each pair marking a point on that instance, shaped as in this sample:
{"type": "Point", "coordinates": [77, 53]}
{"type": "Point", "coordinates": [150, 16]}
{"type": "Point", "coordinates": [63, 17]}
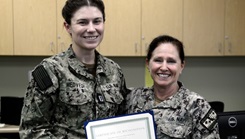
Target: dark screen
{"type": "Point", "coordinates": [232, 125]}
{"type": "Point", "coordinates": [11, 110]}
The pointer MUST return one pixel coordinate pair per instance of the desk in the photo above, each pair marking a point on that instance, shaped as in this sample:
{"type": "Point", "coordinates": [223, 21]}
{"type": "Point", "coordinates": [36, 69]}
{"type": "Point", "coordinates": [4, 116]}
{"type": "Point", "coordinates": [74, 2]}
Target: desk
{"type": "Point", "coordinates": [9, 129]}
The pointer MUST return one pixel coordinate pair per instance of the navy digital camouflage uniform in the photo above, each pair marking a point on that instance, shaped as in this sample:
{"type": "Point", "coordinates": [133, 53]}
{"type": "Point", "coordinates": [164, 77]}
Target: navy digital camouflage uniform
{"type": "Point", "coordinates": [185, 115]}
{"type": "Point", "coordinates": [57, 104]}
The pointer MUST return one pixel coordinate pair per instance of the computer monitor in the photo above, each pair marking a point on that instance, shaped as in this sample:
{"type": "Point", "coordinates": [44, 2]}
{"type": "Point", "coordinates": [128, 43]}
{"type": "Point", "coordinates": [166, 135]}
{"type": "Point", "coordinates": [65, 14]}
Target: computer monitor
{"type": "Point", "coordinates": [232, 125]}
{"type": "Point", "coordinates": [11, 109]}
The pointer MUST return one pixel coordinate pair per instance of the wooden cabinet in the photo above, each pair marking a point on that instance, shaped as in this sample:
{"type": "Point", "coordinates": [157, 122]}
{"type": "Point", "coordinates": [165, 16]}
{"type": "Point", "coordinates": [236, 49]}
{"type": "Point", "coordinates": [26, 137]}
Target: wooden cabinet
{"type": "Point", "coordinates": [235, 28]}
{"type": "Point", "coordinates": [131, 25]}
{"type": "Point", "coordinates": [63, 37]}
{"type": "Point", "coordinates": [122, 36]}
{"type": "Point", "coordinates": [203, 30]}
{"type": "Point", "coordinates": [161, 17]}
{"type": "Point", "coordinates": [6, 27]}
{"type": "Point", "coordinates": [207, 27]}
{"type": "Point", "coordinates": [34, 27]}
{"type": "Point", "coordinates": [214, 28]}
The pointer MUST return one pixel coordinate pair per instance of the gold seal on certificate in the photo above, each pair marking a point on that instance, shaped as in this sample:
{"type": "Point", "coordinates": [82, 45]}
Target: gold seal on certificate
{"type": "Point", "coordinates": [133, 126]}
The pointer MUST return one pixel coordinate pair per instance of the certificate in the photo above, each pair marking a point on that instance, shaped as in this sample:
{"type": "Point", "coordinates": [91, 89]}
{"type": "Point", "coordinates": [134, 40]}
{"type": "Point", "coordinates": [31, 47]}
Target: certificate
{"type": "Point", "coordinates": [133, 126]}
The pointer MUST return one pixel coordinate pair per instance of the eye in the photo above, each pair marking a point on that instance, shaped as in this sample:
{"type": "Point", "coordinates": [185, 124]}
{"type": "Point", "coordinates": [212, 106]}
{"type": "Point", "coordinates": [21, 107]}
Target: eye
{"type": "Point", "coordinates": [171, 61]}
{"type": "Point", "coordinates": [97, 21]}
{"type": "Point", "coordinates": [158, 60]}
{"type": "Point", "coordinates": [83, 22]}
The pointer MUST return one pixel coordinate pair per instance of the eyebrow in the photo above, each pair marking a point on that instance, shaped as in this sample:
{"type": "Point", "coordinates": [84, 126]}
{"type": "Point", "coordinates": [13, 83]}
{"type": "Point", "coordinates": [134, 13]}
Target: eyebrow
{"type": "Point", "coordinates": [81, 19]}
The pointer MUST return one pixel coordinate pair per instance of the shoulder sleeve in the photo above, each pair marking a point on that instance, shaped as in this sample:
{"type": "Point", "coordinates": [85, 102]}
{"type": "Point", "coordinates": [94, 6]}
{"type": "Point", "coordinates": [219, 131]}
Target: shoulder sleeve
{"type": "Point", "coordinates": [134, 100]}
{"type": "Point", "coordinates": [42, 78]}
{"type": "Point", "coordinates": [205, 120]}
{"type": "Point", "coordinates": [39, 104]}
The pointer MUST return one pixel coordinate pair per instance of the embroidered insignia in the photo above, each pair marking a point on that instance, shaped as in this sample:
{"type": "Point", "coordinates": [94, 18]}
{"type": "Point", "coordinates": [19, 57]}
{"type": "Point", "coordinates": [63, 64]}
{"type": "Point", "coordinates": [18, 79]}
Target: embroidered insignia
{"type": "Point", "coordinates": [42, 78]}
{"type": "Point", "coordinates": [210, 120]}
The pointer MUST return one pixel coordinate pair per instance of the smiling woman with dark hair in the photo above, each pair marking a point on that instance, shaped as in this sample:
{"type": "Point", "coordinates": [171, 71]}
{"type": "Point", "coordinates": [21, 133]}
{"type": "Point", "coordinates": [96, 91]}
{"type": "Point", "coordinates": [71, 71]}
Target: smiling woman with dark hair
{"type": "Point", "coordinates": [179, 113]}
{"type": "Point", "coordinates": [74, 86]}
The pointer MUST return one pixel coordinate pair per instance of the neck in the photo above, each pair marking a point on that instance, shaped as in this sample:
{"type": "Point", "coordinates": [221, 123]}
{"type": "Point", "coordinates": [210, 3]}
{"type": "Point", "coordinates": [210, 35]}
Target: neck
{"type": "Point", "coordinates": [162, 94]}
{"type": "Point", "coordinates": [84, 55]}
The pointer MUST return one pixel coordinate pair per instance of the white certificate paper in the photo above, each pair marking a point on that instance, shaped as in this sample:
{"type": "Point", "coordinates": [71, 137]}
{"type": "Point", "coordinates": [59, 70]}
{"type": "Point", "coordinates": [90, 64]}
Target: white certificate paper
{"type": "Point", "coordinates": [134, 126]}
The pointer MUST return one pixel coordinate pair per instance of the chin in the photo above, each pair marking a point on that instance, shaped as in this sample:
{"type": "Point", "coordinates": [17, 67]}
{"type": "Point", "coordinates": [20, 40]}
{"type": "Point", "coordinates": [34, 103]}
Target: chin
{"type": "Point", "coordinates": [163, 83]}
{"type": "Point", "coordinates": [92, 46]}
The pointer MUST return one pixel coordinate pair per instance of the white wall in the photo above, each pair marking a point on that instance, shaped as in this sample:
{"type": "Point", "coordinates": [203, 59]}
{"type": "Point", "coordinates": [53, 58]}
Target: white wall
{"type": "Point", "coordinates": [215, 78]}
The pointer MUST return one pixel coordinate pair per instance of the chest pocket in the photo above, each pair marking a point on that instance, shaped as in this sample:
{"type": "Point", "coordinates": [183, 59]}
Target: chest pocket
{"type": "Point", "coordinates": [76, 94]}
{"type": "Point", "coordinates": [112, 93]}
{"type": "Point", "coordinates": [174, 129]}
{"type": "Point", "coordinates": [175, 123]}
{"type": "Point", "coordinates": [75, 100]}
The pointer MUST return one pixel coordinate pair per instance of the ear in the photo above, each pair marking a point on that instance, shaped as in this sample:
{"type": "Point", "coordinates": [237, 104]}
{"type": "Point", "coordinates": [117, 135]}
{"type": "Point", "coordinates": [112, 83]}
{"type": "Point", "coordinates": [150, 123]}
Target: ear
{"type": "Point", "coordinates": [182, 67]}
{"type": "Point", "coordinates": [67, 27]}
{"type": "Point", "coordinates": [147, 63]}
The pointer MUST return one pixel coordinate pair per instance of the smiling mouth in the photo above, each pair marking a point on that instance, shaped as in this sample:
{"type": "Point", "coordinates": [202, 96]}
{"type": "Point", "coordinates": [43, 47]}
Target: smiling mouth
{"type": "Point", "coordinates": [163, 75]}
{"type": "Point", "coordinates": [90, 37]}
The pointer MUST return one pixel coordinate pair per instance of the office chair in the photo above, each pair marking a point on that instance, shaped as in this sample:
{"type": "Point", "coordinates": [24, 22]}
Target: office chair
{"type": "Point", "coordinates": [218, 106]}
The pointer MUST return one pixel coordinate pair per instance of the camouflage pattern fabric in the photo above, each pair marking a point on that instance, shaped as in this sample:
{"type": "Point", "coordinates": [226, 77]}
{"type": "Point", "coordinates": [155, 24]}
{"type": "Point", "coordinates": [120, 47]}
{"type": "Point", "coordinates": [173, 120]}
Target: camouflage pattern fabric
{"type": "Point", "coordinates": [185, 115]}
{"type": "Point", "coordinates": [60, 110]}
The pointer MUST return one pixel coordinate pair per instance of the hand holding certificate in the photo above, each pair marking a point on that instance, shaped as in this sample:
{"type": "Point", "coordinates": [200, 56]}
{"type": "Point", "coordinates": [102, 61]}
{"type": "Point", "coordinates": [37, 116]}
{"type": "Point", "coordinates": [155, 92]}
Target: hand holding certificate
{"type": "Point", "coordinates": [134, 126]}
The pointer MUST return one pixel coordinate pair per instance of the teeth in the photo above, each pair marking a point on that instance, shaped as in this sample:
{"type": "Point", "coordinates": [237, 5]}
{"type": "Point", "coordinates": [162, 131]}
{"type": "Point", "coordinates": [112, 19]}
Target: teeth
{"type": "Point", "coordinates": [90, 37]}
{"type": "Point", "coordinates": [163, 75]}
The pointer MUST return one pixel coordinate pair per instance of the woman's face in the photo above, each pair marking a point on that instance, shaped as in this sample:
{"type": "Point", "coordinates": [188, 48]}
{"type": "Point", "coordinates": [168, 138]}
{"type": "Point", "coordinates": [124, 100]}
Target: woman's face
{"type": "Point", "coordinates": [87, 28]}
{"type": "Point", "coordinates": [165, 65]}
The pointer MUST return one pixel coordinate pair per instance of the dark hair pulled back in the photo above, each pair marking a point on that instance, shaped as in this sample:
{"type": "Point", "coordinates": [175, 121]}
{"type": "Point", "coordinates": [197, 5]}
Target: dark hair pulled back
{"type": "Point", "coordinates": [166, 39]}
{"type": "Point", "coordinates": [71, 6]}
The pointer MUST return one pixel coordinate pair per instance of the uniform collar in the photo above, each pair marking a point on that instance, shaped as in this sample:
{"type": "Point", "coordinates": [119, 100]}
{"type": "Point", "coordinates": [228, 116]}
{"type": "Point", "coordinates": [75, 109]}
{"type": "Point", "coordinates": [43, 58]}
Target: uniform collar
{"type": "Point", "coordinates": [173, 102]}
{"type": "Point", "coordinates": [79, 68]}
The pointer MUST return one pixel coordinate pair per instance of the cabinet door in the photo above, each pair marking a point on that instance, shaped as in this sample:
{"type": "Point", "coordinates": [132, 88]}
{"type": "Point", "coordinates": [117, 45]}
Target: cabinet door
{"type": "Point", "coordinates": [6, 27]}
{"type": "Point", "coordinates": [34, 27]}
{"type": "Point", "coordinates": [235, 27]}
{"type": "Point", "coordinates": [63, 37]}
{"type": "Point", "coordinates": [161, 17]}
{"type": "Point", "coordinates": [203, 33]}
{"type": "Point", "coordinates": [122, 28]}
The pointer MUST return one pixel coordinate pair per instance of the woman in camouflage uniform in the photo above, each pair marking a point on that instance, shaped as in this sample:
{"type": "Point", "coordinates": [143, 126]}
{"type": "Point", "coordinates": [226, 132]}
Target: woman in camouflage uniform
{"type": "Point", "coordinates": [178, 112]}
{"type": "Point", "coordinates": [74, 86]}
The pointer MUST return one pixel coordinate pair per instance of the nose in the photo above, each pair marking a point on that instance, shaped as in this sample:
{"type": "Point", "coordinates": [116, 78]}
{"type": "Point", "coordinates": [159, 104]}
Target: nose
{"type": "Point", "coordinates": [164, 66]}
{"type": "Point", "coordinates": [91, 27]}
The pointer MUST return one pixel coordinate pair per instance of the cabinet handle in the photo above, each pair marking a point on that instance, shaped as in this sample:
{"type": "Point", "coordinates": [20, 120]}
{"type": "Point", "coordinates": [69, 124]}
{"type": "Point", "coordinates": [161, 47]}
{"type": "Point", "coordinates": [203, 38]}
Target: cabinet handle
{"type": "Point", "coordinates": [146, 48]}
{"type": "Point", "coordinates": [229, 47]}
{"type": "Point", "coordinates": [226, 37]}
{"type": "Point", "coordinates": [52, 47]}
{"type": "Point", "coordinates": [136, 48]}
{"type": "Point", "coordinates": [220, 48]}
